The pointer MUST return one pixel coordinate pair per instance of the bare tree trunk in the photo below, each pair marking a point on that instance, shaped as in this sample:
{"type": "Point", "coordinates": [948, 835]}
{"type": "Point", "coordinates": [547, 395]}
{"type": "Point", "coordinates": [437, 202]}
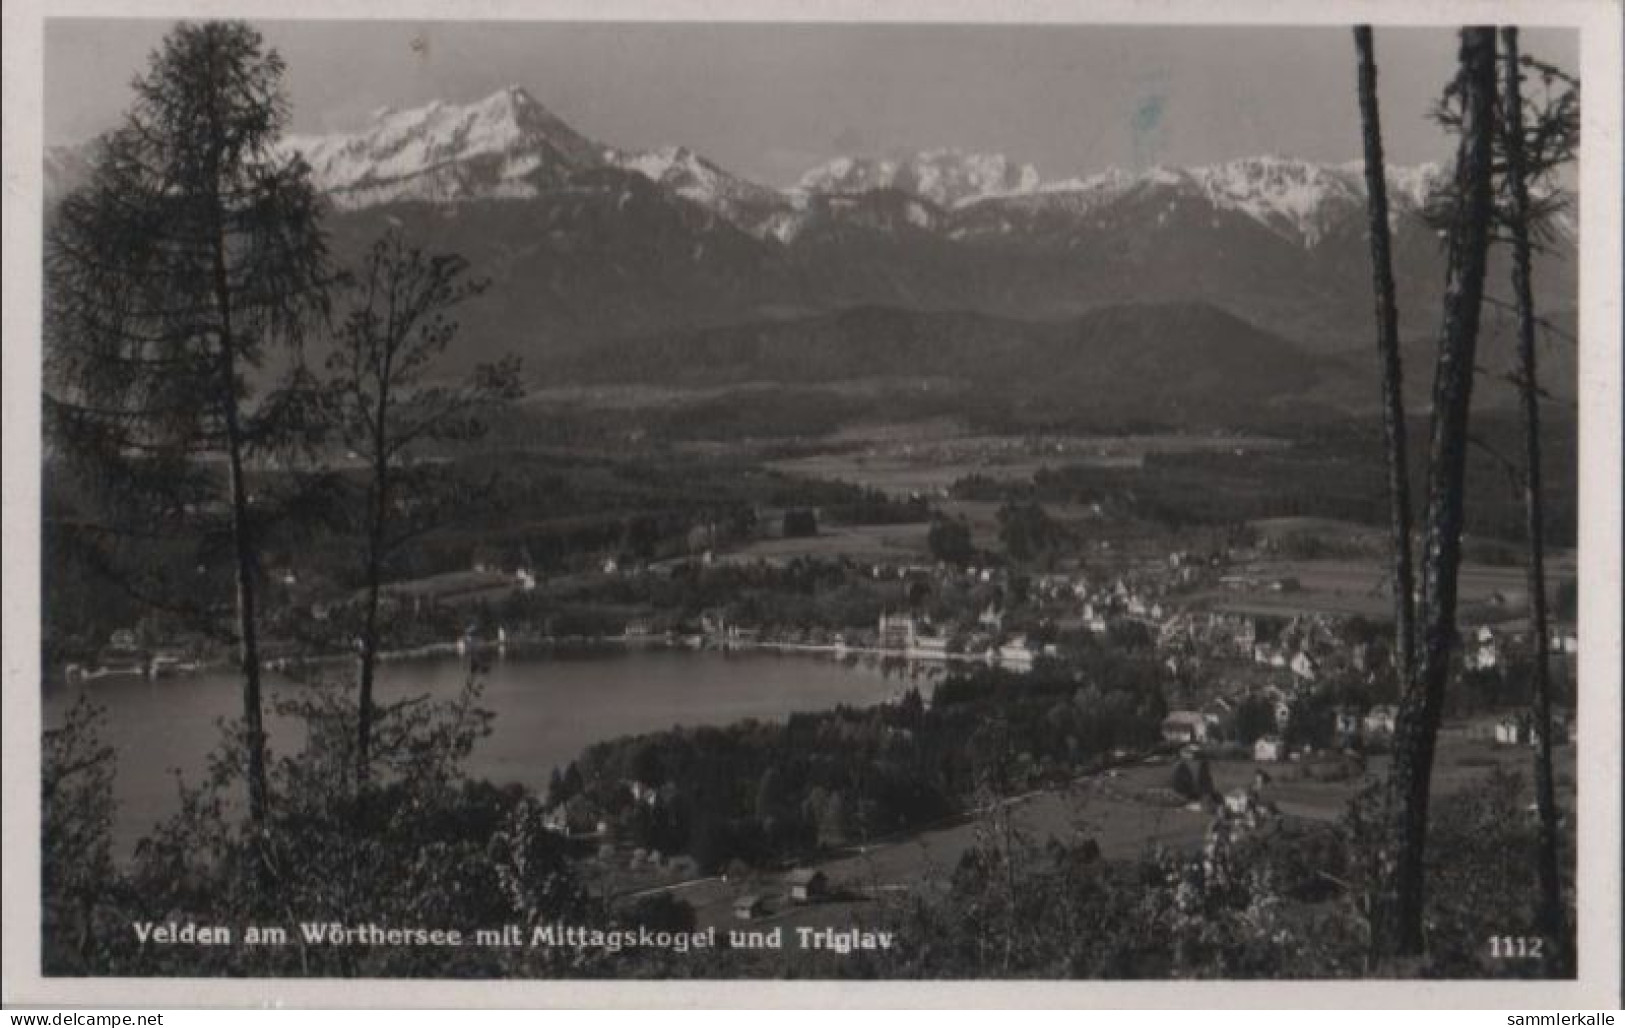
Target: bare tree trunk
{"type": "Point", "coordinates": [1551, 885]}
{"type": "Point", "coordinates": [376, 526]}
{"type": "Point", "coordinates": [242, 536]}
{"type": "Point", "coordinates": [248, 651]}
{"type": "Point", "coordinates": [369, 635]}
{"type": "Point", "coordinates": [368, 660]}
{"type": "Point", "coordinates": [1418, 727]}
{"type": "Point", "coordinates": [1393, 392]}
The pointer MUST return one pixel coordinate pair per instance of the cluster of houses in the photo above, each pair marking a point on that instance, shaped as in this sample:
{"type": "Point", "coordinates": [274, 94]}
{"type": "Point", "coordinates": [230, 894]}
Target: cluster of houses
{"type": "Point", "coordinates": [1307, 646]}
{"type": "Point", "coordinates": [1520, 729]}
{"type": "Point", "coordinates": [1216, 632]}
{"type": "Point", "coordinates": [1069, 601]}
{"type": "Point", "coordinates": [1485, 648]}
{"type": "Point", "coordinates": [916, 638]}
{"type": "Point", "coordinates": [1351, 727]}
{"type": "Point", "coordinates": [125, 655]}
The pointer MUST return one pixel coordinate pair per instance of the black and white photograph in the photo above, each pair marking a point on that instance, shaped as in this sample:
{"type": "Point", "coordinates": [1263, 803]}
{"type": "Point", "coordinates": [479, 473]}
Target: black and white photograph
{"type": "Point", "coordinates": [778, 499]}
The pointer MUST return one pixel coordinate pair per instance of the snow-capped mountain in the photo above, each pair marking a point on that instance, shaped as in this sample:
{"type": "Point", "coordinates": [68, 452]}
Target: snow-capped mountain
{"type": "Point", "coordinates": [945, 177]}
{"type": "Point", "coordinates": [1067, 202]}
{"type": "Point", "coordinates": [1408, 187]}
{"type": "Point", "coordinates": [505, 146]}
{"type": "Point", "coordinates": [1293, 197]}
{"type": "Point", "coordinates": [1298, 200]}
{"type": "Point", "coordinates": [509, 146]}
{"type": "Point", "coordinates": [1304, 199]}
{"type": "Point", "coordinates": [697, 180]}
{"type": "Point", "coordinates": [585, 242]}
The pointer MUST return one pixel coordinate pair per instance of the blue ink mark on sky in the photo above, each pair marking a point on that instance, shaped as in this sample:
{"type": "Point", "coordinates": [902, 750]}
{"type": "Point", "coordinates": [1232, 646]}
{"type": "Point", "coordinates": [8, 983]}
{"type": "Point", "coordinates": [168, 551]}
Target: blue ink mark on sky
{"type": "Point", "coordinates": [1149, 114]}
{"type": "Point", "coordinates": [1146, 130]}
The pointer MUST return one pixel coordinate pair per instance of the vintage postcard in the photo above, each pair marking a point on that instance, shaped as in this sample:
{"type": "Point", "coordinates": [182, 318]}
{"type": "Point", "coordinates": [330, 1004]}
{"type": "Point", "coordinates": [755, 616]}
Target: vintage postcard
{"type": "Point", "coordinates": [1087, 504]}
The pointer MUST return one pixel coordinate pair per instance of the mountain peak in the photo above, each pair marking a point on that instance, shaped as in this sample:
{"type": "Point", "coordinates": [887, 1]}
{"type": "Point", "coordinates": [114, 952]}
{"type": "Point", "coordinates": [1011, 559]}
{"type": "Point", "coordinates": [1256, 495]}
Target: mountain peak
{"type": "Point", "coordinates": [698, 180]}
{"type": "Point", "coordinates": [513, 100]}
{"type": "Point", "coordinates": [506, 144]}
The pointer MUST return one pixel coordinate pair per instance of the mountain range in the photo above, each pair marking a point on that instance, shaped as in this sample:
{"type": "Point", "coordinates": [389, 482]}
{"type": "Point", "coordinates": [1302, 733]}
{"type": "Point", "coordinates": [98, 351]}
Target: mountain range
{"type": "Point", "coordinates": [509, 146]}
{"type": "Point", "coordinates": [592, 248]}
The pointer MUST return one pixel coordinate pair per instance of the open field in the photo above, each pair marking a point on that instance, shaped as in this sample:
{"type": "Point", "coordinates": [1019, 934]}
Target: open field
{"type": "Point", "coordinates": [983, 518]}
{"type": "Point", "coordinates": [908, 459]}
{"type": "Point", "coordinates": [903, 476]}
{"type": "Point", "coordinates": [901, 542]}
{"type": "Point", "coordinates": [455, 587]}
{"type": "Point", "coordinates": [638, 395]}
{"type": "Point", "coordinates": [857, 542]}
{"type": "Point", "coordinates": [1488, 593]}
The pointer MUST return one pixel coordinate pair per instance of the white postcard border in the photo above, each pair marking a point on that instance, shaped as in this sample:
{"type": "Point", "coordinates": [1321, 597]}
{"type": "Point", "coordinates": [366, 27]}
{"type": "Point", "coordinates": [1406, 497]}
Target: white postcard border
{"type": "Point", "coordinates": [1599, 863]}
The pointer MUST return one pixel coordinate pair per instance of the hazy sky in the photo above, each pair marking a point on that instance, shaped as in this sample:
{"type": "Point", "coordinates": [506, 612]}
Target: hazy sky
{"type": "Point", "coordinates": [770, 101]}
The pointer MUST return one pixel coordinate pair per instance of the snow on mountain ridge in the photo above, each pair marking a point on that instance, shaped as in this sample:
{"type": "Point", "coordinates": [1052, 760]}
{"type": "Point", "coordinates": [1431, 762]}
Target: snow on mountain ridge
{"type": "Point", "coordinates": [1298, 199]}
{"type": "Point", "coordinates": [506, 144]}
{"type": "Point", "coordinates": [509, 145]}
{"type": "Point", "coordinates": [946, 177]}
{"type": "Point", "coordinates": [1411, 185]}
{"type": "Point", "coordinates": [693, 177]}
{"type": "Point", "coordinates": [1280, 193]}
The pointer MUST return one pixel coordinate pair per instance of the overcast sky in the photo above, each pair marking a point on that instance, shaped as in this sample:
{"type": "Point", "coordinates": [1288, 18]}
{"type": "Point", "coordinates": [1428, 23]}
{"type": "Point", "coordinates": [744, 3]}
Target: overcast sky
{"type": "Point", "coordinates": [770, 101]}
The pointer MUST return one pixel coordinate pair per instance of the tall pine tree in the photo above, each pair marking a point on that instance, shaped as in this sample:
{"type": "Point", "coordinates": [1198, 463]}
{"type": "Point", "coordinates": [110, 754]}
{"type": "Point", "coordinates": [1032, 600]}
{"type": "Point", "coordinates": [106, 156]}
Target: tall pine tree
{"type": "Point", "coordinates": [1529, 155]}
{"type": "Point", "coordinates": [190, 259]}
{"type": "Point", "coordinates": [1393, 389]}
{"type": "Point", "coordinates": [1422, 703]}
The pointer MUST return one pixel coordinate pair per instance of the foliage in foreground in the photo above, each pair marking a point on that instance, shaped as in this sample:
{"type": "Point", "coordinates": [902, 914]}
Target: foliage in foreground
{"type": "Point", "coordinates": [423, 846]}
{"type": "Point", "coordinates": [1292, 901]}
{"type": "Point", "coordinates": [427, 846]}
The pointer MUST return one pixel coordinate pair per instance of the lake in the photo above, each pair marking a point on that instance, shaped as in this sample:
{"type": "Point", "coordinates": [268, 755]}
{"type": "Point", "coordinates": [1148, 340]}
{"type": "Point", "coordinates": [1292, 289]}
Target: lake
{"type": "Point", "coordinates": [548, 709]}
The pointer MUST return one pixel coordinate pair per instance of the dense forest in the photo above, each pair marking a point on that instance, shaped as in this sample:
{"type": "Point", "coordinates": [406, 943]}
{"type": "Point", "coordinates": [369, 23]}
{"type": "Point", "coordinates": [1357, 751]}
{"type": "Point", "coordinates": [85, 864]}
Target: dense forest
{"type": "Point", "coordinates": [767, 793]}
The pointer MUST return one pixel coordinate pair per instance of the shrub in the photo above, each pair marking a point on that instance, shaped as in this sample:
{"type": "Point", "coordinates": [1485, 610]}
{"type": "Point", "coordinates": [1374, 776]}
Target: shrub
{"type": "Point", "coordinates": [420, 845]}
{"type": "Point", "coordinates": [77, 881]}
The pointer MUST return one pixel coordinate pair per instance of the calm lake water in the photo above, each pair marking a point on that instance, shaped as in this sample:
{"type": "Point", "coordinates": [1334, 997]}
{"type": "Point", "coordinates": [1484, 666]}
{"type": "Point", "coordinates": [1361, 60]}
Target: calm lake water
{"type": "Point", "coordinates": [548, 709]}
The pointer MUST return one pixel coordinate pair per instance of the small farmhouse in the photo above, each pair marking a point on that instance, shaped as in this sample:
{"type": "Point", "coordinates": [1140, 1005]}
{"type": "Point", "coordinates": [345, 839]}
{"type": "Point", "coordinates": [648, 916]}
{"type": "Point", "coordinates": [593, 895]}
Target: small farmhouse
{"type": "Point", "coordinates": [896, 632]}
{"type": "Point", "coordinates": [1269, 747]}
{"type": "Point", "coordinates": [1380, 720]}
{"type": "Point", "coordinates": [1305, 667]}
{"type": "Point", "coordinates": [808, 885]}
{"type": "Point", "coordinates": [1185, 726]}
{"type": "Point", "coordinates": [1510, 731]}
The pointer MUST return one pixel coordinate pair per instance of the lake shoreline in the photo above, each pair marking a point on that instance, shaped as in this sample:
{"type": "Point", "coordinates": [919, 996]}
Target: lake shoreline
{"type": "Point", "coordinates": [522, 647]}
{"type": "Point", "coordinates": [547, 712]}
